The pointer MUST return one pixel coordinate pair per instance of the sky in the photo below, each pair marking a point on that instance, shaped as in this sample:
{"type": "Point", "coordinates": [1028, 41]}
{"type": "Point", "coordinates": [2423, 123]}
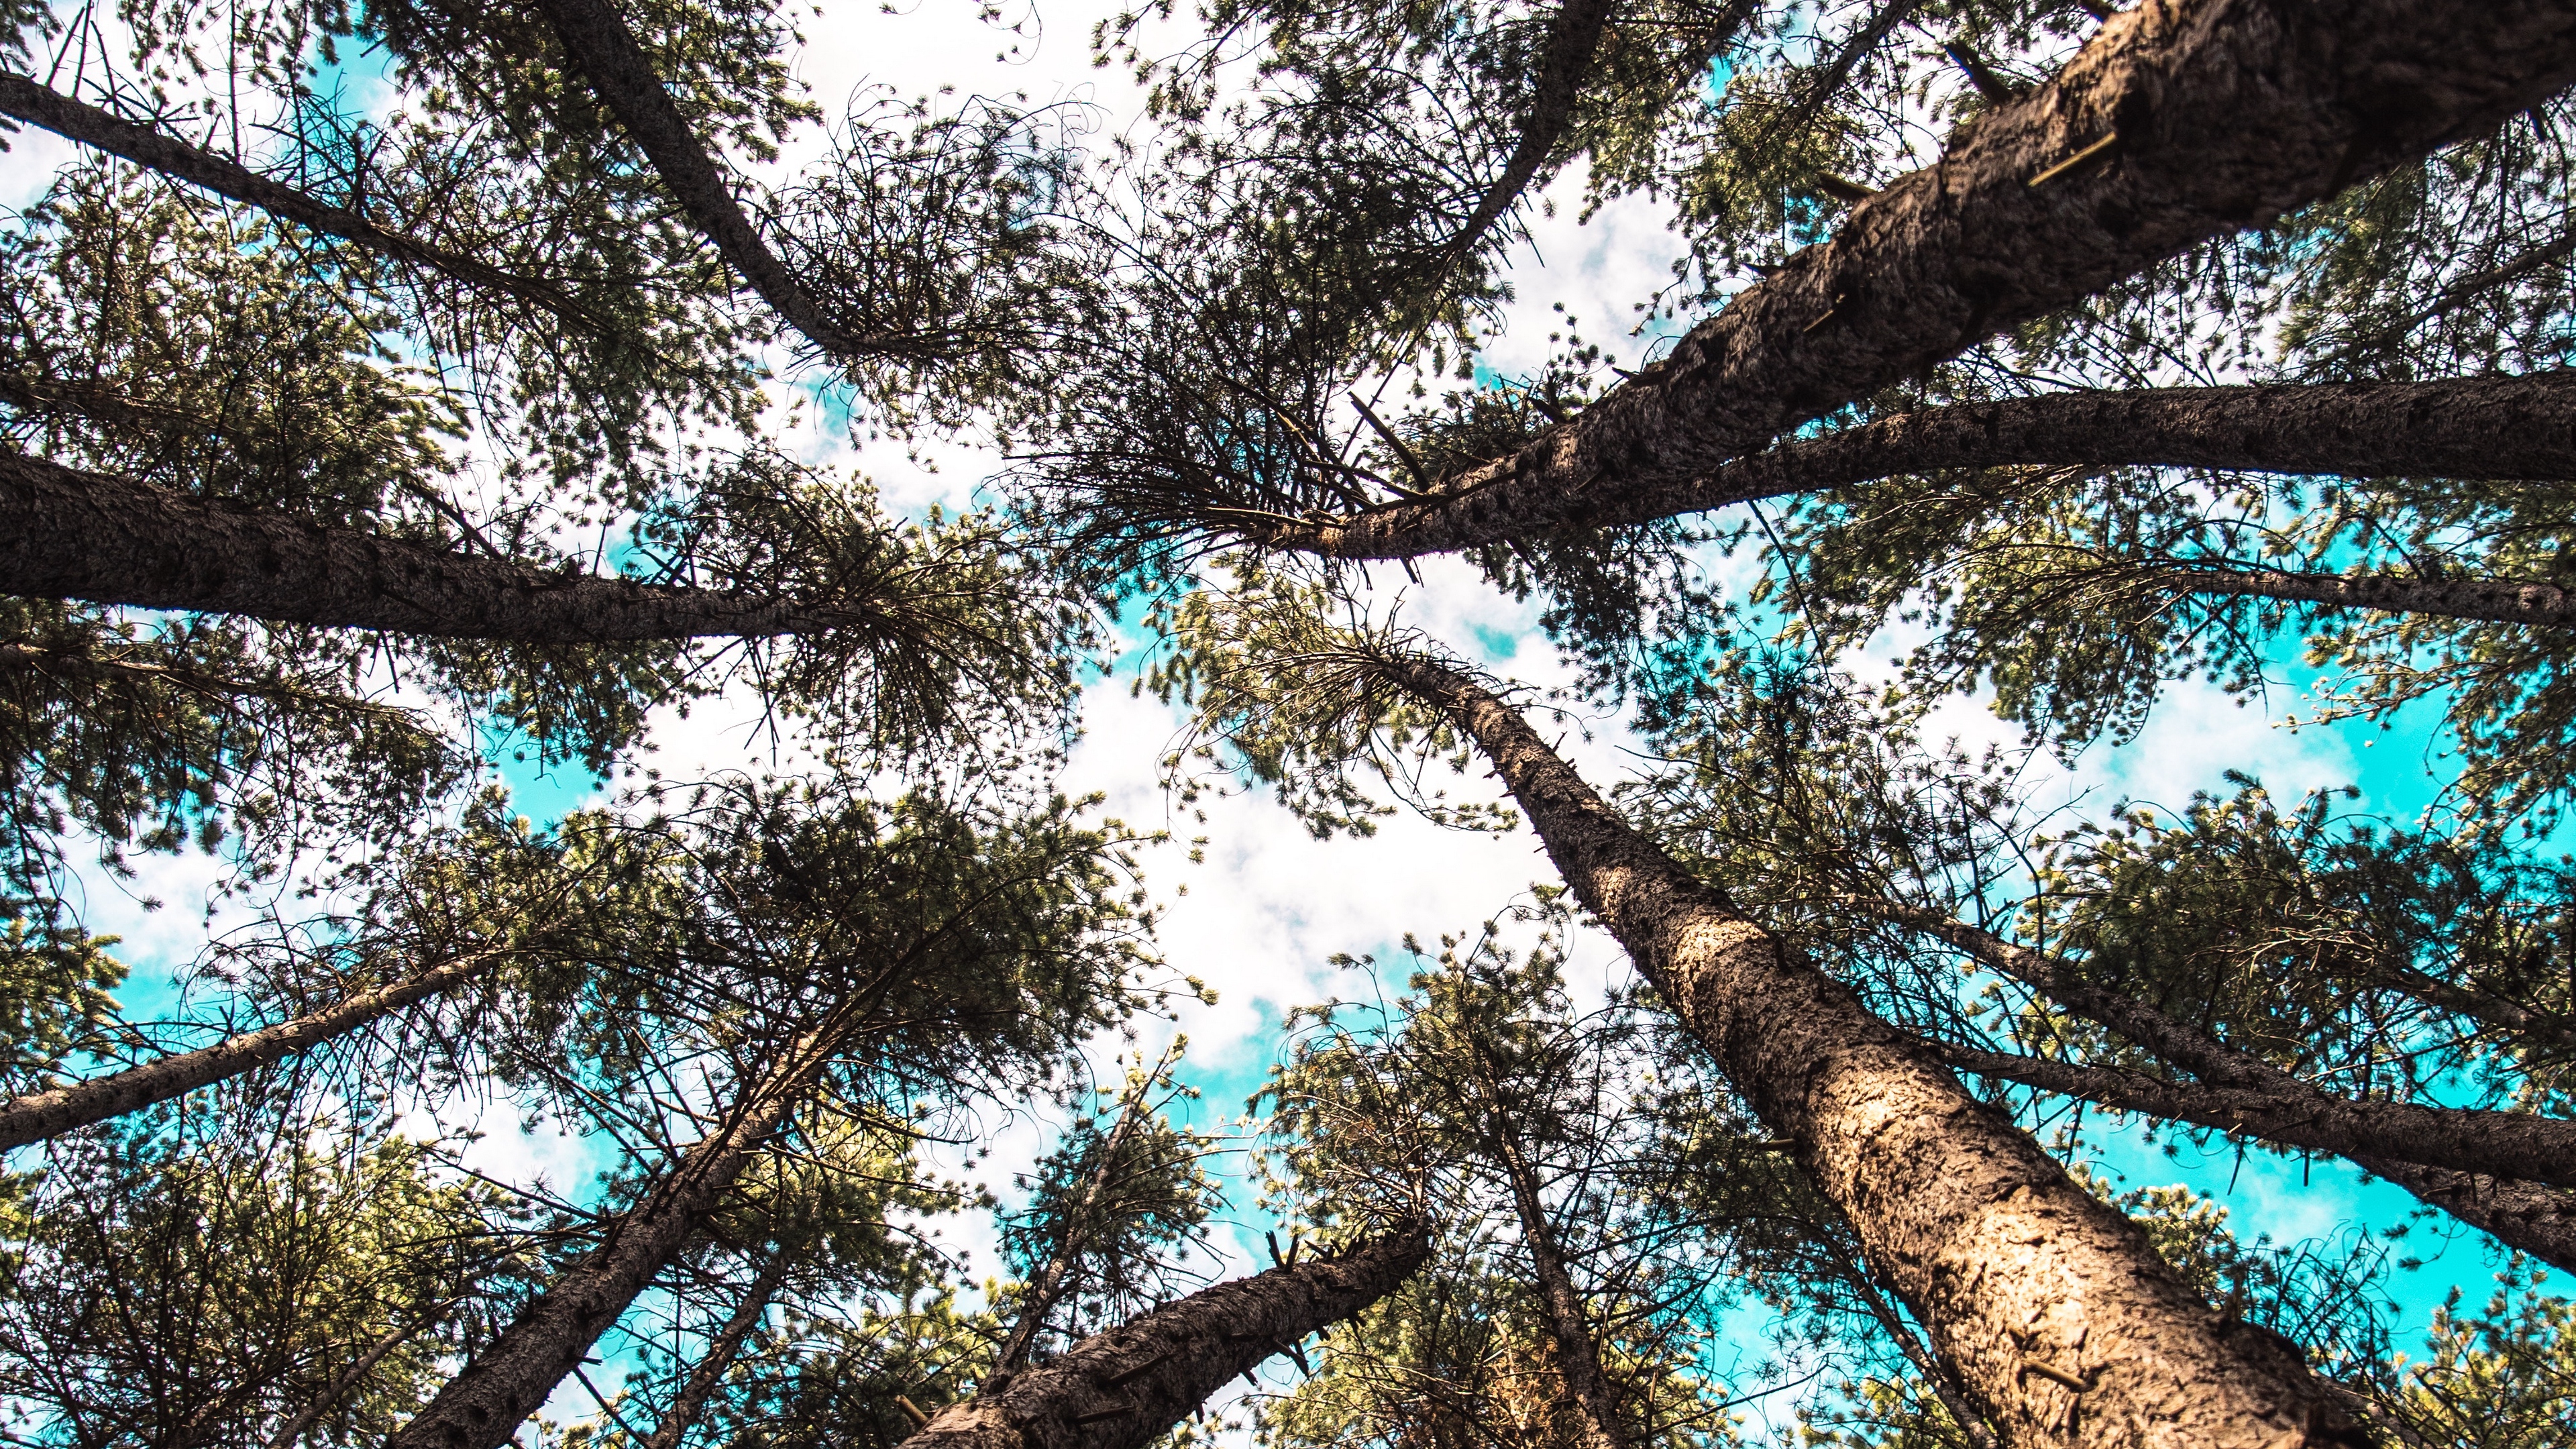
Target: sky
{"type": "Point", "coordinates": [1269, 907]}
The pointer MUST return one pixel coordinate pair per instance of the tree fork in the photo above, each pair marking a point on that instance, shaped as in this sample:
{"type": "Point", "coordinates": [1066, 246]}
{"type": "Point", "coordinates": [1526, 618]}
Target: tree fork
{"type": "Point", "coordinates": [2023, 1278]}
{"type": "Point", "coordinates": [2521, 428]}
{"type": "Point", "coordinates": [1122, 1388]}
{"type": "Point", "coordinates": [73, 120]}
{"type": "Point", "coordinates": [2200, 117]}
{"type": "Point", "coordinates": [39, 1115]}
{"type": "Point", "coordinates": [71, 534]}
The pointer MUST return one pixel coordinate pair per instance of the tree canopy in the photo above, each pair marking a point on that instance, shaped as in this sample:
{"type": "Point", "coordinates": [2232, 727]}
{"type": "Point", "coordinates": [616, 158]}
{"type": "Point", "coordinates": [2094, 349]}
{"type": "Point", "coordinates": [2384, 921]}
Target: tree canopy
{"type": "Point", "coordinates": [409, 408]}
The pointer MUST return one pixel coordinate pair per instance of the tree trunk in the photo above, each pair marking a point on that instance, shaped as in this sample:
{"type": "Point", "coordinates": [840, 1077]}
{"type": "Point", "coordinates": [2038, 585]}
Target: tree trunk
{"type": "Point", "coordinates": [68, 534]}
{"type": "Point", "coordinates": [720, 1353]}
{"type": "Point", "coordinates": [2525, 1215]}
{"type": "Point", "coordinates": [1576, 1352]}
{"type": "Point", "coordinates": [1571, 41]}
{"type": "Point", "coordinates": [484, 1405]}
{"type": "Point", "coordinates": [39, 1115]}
{"type": "Point", "coordinates": [1123, 1388]}
{"type": "Point", "coordinates": [2018, 1273]}
{"type": "Point", "coordinates": [1049, 1284]}
{"type": "Point", "coordinates": [2474, 427]}
{"type": "Point", "coordinates": [2295, 1114]}
{"type": "Point", "coordinates": [2187, 119]}
{"type": "Point", "coordinates": [2241, 1091]}
{"type": "Point", "coordinates": [605, 52]}
{"type": "Point", "coordinates": [73, 120]}
{"type": "Point", "coordinates": [2502, 601]}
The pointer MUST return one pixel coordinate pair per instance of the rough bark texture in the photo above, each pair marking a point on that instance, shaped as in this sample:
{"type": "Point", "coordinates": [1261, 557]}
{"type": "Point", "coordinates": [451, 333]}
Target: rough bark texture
{"type": "Point", "coordinates": [719, 1355]}
{"type": "Point", "coordinates": [483, 1406]}
{"type": "Point", "coordinates": [2502, 601]}
{"type": "Point", "coordinates": [39, 1115]}
{"type": "Point", "coordinates": [69, 534]}
{"type": "Point", "coordinates": [2005, 1260]}
{"type": "Point", "coordinates": [2524, 1216]}
{"type": "Point", "coordinates": [74, 120]}
{"type": "Point", "coordinates": [2294, 1114]}
{"type": "Point", "coordinates": [2536, 1219]}
{"type": "Point", "coordinates": [2477, 427]}
{"type": "Point", "coordinates": [599, 43]}
{"type": "Point", "coordinates": [1122, 1388]}
{"type": "Point", "coordinates": [2222, 115]}
{"type": "Point", "coordinates": [1577, 1354]}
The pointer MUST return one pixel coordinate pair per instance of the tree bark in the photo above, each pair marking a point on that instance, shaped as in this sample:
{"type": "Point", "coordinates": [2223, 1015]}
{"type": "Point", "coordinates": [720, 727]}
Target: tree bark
{"type": "Point", "coordinates": [69, 534]}
{"type": "Point", "coordinates": [25, 100]}
{"type": "Point", "coordinates": [2294, 1114]}
{"type": "Point", "coordinates": [2242, 1091]}
{"type": "Point", "coordinates": [720, 1353]}
{"type": "Point", "coordinates": [484, 1405]}
{"type": "Point", "coordinates": [2017, 1272]}
{"type": "Point", "coordinates": [1571, 42]}
{"type": "Point", "coordinates": [601, 46]}
{"type": "Point", "coordinates": [2501, 601]}
{"type": "Point", "coordinates": [2474, 427]}
{"type": "Point", "coordinates": [2211, 116]}
{"type": "Point", "coordinates": [1576, 1352]}
{"type": "Point", "coordinates": [1122, 1388]}
{"type": "Point", "coordinates": [2524, 1215]}
{"type": "Point", "coordinates": [39, 1115]}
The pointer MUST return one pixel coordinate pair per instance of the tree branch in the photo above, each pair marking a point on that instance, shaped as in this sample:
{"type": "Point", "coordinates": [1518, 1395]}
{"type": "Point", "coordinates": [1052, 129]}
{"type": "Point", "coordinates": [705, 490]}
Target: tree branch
{"type": "Point", "coordinates": [74, 120]}
{"type": "Point", "coordinates": [604, 49]}
{"type": "Point", "coordinates": [2520, 1214]}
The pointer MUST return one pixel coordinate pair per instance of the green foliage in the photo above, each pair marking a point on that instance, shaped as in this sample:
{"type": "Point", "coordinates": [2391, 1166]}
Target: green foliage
{"type": "Point", "coordinates": [1430, 1105]}
{"type": "Point", "coordinates": [168, 1279]}
{"type": "Point", "coordinates": [1111, 1215]}
{"type": "Point", "coordinates": [1303, 703]}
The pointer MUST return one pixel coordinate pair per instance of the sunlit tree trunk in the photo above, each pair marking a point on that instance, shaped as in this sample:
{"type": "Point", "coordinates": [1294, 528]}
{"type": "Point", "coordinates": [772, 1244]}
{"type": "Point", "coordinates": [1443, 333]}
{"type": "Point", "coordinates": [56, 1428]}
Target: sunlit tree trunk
{"type": "Point", "coordinates": [2025, 1281]}
{"type": "Point", "coordinates": [1124, 1387]}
